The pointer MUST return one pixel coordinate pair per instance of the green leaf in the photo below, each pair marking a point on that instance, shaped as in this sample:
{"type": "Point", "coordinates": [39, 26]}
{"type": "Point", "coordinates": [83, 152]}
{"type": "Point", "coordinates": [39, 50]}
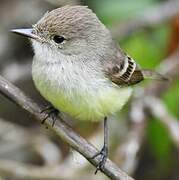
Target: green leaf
{"type": "Point", "coordinates": [171, 98]}
{"type": "Point", "coordinates": [159, 140]}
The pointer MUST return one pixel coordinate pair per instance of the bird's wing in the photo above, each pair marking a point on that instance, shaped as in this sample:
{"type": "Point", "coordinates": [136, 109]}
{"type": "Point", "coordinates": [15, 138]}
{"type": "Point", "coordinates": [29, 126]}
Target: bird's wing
{"type": "Point", "coordinates": [124, 71]}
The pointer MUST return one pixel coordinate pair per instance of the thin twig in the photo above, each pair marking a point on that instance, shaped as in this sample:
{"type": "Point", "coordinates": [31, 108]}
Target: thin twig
{"type": "Point", "coordinates": [158, 109]}
{"type": "Point", "coordinates": [61, 129]}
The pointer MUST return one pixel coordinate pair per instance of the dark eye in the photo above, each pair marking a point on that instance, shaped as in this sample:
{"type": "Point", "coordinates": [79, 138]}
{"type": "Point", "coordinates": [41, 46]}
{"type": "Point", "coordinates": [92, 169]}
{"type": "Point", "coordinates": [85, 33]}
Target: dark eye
{"type": "Point", "coordinates": [58, 39]}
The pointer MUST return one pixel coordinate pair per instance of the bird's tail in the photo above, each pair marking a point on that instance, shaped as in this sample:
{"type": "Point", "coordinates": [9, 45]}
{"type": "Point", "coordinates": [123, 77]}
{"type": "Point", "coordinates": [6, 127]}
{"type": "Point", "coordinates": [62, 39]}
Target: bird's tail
{"type": "Point", "coordinates": [150, 74]}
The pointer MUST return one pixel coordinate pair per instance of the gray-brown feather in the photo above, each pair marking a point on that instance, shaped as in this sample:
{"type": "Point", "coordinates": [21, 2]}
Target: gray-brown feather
{"type": "Point", "coordinates": [72, 21]}
{"type": "Point", "coordinates": [122, 69]}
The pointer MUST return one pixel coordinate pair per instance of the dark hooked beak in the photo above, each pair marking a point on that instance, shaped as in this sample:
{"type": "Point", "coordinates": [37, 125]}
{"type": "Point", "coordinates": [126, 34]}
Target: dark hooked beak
{"type": "Point", "coordinates": [28, 32]}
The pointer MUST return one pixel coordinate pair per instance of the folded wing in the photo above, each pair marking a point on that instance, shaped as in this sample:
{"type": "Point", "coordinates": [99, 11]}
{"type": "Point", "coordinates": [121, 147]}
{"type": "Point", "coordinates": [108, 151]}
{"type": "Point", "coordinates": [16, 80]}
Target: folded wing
{"type": "Point", "coordinates": [126, 72]}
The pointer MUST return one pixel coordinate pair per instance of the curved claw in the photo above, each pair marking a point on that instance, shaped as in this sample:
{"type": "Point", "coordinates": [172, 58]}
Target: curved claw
{"type": "Point", "coordinates": [103, 157]}
{"type": "Point", "coordinates": [101, 164]}
{"type": "Point", "coordinates": [51, 112]}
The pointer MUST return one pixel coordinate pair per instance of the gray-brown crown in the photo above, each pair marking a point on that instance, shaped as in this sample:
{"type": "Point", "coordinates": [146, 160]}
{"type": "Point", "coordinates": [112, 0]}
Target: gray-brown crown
{"type": "Point", "coordinates": [70, 21]}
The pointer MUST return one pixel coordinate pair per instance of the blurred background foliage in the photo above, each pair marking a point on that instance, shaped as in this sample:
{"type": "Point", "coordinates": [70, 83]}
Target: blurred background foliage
{"type": "Point", "coordinates": [158, 159]}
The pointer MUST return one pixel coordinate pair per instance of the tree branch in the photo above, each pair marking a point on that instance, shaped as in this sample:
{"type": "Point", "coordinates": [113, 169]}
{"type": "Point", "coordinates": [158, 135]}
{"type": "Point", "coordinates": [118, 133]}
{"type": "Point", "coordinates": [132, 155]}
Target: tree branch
{"type": "Point", "coordinates": [61, 129]}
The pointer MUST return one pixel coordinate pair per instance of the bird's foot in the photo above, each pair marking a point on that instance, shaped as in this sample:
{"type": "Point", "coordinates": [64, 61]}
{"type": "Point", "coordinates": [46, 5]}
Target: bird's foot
{"type": "Point", "coordinates": [51, 112]}
{"type": "Point", "coordinates": [103, 157]}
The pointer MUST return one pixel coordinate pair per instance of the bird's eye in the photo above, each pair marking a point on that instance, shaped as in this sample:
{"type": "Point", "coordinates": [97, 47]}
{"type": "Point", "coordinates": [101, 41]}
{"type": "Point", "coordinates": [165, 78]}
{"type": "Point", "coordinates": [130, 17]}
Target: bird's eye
{"type": "Point", "coordinates": [58, 39]}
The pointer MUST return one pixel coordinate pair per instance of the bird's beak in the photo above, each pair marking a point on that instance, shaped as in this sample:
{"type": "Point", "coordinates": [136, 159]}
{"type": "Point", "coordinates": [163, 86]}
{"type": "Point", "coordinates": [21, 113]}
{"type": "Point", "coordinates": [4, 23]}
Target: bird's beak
{"type": "Point", "coordinates": [26, 32]}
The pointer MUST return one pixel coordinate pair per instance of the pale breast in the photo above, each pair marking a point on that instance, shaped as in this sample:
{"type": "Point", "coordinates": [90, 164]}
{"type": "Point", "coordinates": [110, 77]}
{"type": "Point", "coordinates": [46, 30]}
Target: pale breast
{"type": "Point", "coordinates": [78, 91]}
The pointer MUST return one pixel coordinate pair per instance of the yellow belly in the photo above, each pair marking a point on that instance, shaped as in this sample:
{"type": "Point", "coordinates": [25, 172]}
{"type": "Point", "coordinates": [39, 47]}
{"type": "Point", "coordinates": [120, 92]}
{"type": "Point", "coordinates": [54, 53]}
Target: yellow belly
{"type": "Point", "coordinates": [89, 106]}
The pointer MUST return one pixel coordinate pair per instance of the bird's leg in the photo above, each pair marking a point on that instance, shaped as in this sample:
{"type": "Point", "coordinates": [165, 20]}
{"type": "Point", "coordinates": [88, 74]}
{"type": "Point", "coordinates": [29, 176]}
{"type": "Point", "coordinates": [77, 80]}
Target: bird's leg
{"type": "Point", "coordinates": [104, 151]}
{"type": "Point", "coordinates": [51, 112]}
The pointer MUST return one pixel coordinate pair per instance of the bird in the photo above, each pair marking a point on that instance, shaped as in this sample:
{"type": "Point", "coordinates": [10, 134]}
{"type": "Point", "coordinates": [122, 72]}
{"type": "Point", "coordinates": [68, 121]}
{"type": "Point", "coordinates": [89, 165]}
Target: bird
{"type": "Point", "coordinates": [79, 68]}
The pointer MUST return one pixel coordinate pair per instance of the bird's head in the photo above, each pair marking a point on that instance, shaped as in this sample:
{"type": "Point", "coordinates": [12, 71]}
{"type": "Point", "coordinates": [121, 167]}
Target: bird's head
{"type": "Point", "coordinates": [69, 30]}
